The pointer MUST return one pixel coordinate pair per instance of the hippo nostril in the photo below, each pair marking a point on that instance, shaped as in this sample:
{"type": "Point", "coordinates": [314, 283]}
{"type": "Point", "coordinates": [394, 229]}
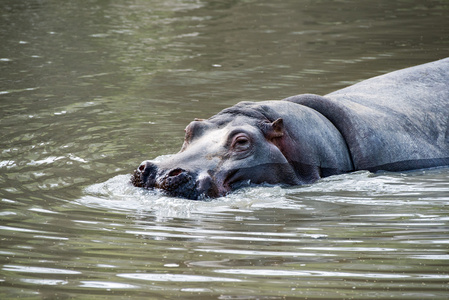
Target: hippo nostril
{"type": "Point", "coordinates": [144, 175]}
{"type": "Point", "coordinates": [175, 172]}
{"type": "Point", "coordinates": [146, 169]}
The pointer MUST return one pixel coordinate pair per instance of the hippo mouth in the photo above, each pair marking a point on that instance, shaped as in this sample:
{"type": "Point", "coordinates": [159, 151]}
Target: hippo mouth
{"type": "Point", "coordinates": [234, 180]}
{"type": "Point", "coordinates": [176, 183]}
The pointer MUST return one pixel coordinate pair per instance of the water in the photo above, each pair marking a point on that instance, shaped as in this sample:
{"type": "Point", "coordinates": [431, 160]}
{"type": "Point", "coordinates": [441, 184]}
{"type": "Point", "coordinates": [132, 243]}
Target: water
{"type": "Point", "coordinates": [89, 89]}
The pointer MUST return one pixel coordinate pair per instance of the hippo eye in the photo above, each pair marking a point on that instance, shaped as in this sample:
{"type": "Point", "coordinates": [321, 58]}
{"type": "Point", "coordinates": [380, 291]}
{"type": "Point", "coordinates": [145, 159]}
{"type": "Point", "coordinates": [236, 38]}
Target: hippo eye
{"type": "Point", "coordinates": [241, 143]}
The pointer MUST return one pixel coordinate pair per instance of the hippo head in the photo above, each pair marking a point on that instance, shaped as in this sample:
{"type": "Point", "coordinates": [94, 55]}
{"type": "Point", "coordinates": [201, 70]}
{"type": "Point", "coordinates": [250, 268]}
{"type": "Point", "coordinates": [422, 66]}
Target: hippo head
{"type": "Point", "coordinates": [246, 144]}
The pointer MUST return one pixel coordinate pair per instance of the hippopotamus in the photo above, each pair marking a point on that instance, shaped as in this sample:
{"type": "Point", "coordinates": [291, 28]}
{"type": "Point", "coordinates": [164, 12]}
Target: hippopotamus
{"type": "Point", "coordinates": [394, 122]}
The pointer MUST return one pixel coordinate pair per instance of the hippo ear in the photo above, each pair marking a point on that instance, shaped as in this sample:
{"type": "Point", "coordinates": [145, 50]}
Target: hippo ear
{"type": "Point", "coordinates": [274, 129]}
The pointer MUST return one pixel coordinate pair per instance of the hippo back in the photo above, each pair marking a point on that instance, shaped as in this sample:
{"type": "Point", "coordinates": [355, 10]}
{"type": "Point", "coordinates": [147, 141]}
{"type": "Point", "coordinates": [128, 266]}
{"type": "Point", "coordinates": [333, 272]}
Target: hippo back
{"type": "Point", "coordinates": [398, 121]}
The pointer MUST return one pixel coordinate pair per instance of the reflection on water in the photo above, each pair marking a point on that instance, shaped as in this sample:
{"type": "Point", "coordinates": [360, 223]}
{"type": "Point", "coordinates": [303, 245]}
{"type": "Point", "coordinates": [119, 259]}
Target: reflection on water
{"type": "Point", "coordinates": [327, 238]}
{"type": "Point", "coordinates": [90, 89]}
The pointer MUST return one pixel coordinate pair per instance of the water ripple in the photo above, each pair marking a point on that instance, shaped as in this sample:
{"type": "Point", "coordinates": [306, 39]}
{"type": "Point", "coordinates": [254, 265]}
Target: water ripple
{"type": "Point", "coordinates": [176, 277]}
{"type": "Point", "coordinates": [38, 270]}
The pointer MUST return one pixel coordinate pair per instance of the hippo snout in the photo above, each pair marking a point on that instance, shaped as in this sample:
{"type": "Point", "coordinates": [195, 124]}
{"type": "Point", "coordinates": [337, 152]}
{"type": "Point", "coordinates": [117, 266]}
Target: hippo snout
{"type": "Point", "coordinates": [179, 183]}
{"type": "Point", "coordinates": [175, 179]}
{"type": "Point", "coordinates": [144, 175]}
{"type": "Point", "coordinates": [176, 182]}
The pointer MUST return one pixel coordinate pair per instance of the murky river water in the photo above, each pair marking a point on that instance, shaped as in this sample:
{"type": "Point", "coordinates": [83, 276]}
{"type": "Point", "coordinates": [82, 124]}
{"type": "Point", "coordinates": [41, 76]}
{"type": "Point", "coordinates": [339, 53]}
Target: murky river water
{"type": "Point", "coordinates": [89, 89]}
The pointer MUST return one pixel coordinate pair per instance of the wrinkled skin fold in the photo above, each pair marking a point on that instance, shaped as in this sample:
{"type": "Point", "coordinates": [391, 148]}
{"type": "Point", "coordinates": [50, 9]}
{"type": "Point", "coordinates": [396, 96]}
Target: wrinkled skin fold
{"type": "Point", "coordinates": [397, 121]}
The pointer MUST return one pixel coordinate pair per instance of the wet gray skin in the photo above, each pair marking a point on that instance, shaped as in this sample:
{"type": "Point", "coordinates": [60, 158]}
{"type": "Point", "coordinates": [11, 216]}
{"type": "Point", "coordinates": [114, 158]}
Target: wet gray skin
{"type": "Point", "coordinates": [271, 142]}
{"type": "Point", "coordinates": [394, 122]}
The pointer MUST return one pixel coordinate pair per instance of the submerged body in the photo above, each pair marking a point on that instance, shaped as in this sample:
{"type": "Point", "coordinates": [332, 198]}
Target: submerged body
{"type": "Point", "coordinates": [394, 122]}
